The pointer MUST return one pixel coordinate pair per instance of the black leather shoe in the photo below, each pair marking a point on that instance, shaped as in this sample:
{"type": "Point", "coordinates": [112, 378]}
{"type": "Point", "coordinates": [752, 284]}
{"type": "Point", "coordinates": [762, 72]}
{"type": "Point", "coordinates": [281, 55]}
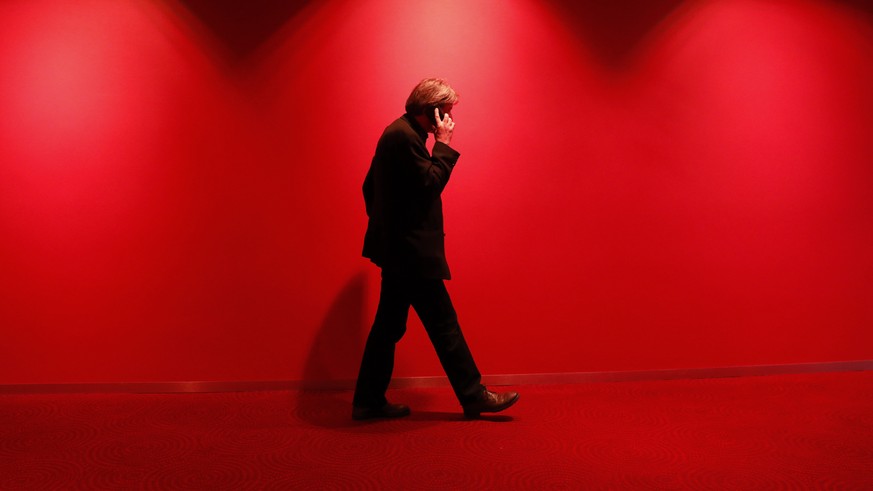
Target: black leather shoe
{"type": "Point", "coordinates": [490, 402]}
{"type": "Point", "coordinates": [387, 411]}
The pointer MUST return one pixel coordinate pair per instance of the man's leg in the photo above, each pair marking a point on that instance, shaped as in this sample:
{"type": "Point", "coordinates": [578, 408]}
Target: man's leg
{"type": "Point", "coordinates": [378, 361]}
{"type": "Point", "coordinates": [431, 302]}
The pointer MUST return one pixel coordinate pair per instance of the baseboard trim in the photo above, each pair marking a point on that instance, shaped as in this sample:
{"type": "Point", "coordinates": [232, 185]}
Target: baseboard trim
{"type": "Point", "coordinates": [441, 381]}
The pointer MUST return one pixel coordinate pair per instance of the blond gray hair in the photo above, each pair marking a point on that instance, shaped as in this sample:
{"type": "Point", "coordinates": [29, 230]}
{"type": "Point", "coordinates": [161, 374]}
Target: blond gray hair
{"type": "Point", "coordinates": [428, 93]}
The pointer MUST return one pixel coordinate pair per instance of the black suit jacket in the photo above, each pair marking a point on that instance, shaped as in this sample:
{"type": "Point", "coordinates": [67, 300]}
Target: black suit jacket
{"type": "Point", "coordinates": [402, 195]}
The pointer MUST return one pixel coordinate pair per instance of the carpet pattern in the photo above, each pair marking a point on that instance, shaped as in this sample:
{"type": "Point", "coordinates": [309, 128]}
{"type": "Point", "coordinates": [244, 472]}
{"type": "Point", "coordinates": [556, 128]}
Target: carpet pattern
{"type": "Point", "coordinates": [787, 432]}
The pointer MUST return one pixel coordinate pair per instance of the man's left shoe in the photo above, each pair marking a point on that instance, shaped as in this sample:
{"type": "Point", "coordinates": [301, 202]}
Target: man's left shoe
{"type": "Point", "coordinates": [387, 411]}
{"type": "Point", "coordinates": [490, 402]}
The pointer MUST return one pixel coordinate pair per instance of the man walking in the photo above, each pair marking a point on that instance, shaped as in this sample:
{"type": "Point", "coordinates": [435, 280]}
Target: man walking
{"type": "Point", "coordinates": [402, 193]}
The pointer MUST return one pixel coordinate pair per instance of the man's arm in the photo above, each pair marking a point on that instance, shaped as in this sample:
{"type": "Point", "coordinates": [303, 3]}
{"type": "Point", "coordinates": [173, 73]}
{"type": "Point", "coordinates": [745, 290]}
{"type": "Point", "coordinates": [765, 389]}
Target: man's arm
{"type": "Point", "coordinates": [433, 171]}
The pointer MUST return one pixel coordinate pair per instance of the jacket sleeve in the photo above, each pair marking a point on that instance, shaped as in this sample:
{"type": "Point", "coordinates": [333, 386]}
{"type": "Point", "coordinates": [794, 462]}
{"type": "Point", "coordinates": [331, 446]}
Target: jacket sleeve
{"type": "Point", "coordinates": [431, 172]}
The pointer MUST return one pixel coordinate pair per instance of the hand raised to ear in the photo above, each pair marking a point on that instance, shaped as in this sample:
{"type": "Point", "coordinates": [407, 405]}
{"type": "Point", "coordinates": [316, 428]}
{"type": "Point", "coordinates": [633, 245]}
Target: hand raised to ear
{"type": "Point", "coordinates": [444, 127]}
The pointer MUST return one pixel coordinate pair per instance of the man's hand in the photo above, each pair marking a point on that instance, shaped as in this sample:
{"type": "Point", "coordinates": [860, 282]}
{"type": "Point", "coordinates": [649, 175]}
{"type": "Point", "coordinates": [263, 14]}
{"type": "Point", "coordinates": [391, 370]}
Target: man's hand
{"type": "Point", "coordinates": [444, 127]}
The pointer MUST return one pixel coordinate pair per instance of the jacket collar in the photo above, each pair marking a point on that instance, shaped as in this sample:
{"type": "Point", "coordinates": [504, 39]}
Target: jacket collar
{"type": "Point", "coordinates": [415, 126]}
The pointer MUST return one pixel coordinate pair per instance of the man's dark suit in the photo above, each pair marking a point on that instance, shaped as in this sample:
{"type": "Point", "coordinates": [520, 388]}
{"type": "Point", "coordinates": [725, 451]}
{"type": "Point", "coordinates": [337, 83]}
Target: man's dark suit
{"type": "Point", "coordinates": [405, 238]}
{"type": "Point", "coordinates": [402, 194]}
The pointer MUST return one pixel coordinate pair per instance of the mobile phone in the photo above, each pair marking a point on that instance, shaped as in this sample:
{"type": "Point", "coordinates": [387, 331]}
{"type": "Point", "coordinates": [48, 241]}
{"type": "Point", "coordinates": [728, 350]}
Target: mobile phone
{"type": "Point", "coordinates": [430, 115]}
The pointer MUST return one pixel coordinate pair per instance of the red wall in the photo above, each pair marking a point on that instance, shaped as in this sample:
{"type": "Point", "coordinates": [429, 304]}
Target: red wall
{"type": "Point", "coordinates": [677, 185]}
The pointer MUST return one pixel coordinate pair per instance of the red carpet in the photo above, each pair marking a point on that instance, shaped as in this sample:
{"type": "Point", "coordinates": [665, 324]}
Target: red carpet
{"type": "Point", "coordinates": [778, 432]}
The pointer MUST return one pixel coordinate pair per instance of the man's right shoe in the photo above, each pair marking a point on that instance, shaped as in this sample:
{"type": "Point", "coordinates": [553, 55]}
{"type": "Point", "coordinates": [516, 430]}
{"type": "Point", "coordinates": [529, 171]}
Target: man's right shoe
{"type": "Point", "coordinates": [387, 411]}
{"type": "Point", "coordinates": [489, 402]}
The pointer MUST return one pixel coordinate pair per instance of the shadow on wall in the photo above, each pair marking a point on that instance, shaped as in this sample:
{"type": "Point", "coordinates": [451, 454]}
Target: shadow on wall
{"type": "Point", "coordinates": [615, 31]}
{"type": "Point", "coordinates": [611, 32]}
{"type": "Point", "coordinates": [332, 368]}
{"type": "Point", "coordinates": [334, 358]}
{"type": "Point", "coordinates": [243, 27]}
{"type": "Point", "coordinates": [865, 6]}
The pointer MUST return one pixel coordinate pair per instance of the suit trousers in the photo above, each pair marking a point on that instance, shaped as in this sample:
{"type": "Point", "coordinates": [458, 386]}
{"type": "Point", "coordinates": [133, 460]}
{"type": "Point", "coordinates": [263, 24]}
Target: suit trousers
{"type": "Point", "coordinates": [431, 302]}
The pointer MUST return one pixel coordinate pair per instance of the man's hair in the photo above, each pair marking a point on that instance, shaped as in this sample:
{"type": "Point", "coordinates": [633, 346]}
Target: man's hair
{"type": "Point", "coordinates": [428, 93]}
